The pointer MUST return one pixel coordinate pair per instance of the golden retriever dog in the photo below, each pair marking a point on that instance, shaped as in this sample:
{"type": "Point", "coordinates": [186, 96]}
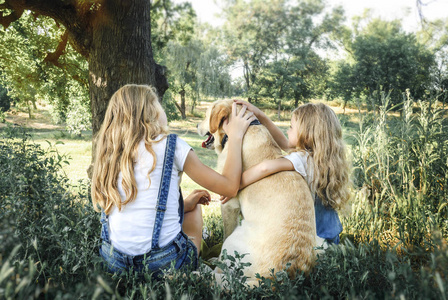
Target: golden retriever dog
{"type": "Point", "coordinates": [278, 224]}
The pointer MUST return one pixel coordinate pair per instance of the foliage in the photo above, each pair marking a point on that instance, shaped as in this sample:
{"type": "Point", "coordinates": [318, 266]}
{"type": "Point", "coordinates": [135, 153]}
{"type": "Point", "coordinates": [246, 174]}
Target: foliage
{"type": "Point", "coordinates": [78, 116]}
{"type": "Point", "coordinates": [169, 107]}
{"type": "Point", "coordinates": [169, 22]}
{"type": "Point", "coordinates": [401, 172]}
{"type": "Point", "coordinates": [53, 225]}
{"type": "Point", "coordinates": [28, 74]}
{"type": "Point", "coordinates": [196, 68]}
{"type": "Point", "coordinates": [383, 57]}
{"type": "Point", "coordinates": [5, 103]}
{"type": "Point", "coordinates": [275, 44]}
{"type": "Point", "coordinates": [5, 99]}
{"type": "Point", "coordinates": [434, 35]}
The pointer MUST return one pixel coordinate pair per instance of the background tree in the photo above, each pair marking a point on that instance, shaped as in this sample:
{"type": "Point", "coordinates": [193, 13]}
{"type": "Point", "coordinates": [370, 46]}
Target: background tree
{"type": "Point", "coordinates": [28, 73]}
{"type": "Point", "coordinates": [278, 40]}
{"type": "Point", "coordinates": [113, 35]}
{"type": "Point", "coordinates": [434, 35]}
{"type": "Point", "coordinates": [196, 65]}
{"type": "Point", "coordinates": [383, 57]}
{"type": "Point", "coordinates": [5, 99]}
{"type": "Point", "coordinates": [252, 32]}
{"type": "Point", "coordinates": [182, 61]}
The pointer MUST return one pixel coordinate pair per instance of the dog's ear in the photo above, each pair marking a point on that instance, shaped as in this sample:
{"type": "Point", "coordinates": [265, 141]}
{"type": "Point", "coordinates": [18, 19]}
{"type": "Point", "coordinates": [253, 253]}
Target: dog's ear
{"type": "Point", "coordinates": [218, 114]}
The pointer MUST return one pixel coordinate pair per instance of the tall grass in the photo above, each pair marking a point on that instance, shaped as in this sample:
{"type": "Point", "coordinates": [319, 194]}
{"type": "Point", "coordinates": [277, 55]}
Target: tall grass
{"type": "Point", "coordinates": [400, 171]}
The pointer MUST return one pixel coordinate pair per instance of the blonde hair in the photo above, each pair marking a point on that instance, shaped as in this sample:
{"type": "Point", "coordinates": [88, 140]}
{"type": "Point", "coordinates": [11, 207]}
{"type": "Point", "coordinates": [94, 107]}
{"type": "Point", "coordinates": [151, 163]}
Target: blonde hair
{"type": "Point", "coordinates": [131, 116]}
{"type": "Point", "coordinates": [320, 134]}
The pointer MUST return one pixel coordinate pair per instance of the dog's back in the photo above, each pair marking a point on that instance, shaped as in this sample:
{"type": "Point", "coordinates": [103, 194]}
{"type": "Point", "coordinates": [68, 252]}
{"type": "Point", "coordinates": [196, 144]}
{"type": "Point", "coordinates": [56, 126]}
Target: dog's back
{"type": "Point", "coordinates": [278, 225]}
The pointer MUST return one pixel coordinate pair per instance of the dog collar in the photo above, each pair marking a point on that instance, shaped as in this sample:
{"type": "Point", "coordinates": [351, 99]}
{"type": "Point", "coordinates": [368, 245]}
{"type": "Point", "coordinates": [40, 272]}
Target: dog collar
{"type": "Point", "coordinates": [225, 137]}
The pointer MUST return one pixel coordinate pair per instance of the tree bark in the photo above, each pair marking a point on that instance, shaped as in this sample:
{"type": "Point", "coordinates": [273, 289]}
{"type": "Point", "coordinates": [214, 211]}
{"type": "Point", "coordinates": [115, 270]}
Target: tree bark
{"type": "Point", "coordinates": [120, 53]}
{"type": "Point", "coordinates": [247, 79]}
{"type": "Point", "coordinates": [279, 109]}
{"type": "Point", "coordinates": [182, 108]}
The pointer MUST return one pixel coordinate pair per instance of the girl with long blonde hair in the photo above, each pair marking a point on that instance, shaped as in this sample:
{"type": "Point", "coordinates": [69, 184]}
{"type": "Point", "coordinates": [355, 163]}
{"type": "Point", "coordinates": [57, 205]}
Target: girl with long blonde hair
{"type": "Point", "coordinates": [146, 225]}
{"type": "Point", "coordinates": [316, 151]}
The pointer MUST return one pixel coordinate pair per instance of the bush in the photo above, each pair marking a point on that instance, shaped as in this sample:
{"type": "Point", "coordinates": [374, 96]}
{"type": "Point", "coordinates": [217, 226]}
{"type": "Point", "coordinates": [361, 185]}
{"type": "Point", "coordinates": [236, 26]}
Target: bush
{"type": "Point", "coordinates": [5, 100]}
{"type": "Point", "coordinates": [169, 107]}
{"type": "Point", "coordinates": [78, 117]}
{"type": "Point", "coordinates": [38, 211]}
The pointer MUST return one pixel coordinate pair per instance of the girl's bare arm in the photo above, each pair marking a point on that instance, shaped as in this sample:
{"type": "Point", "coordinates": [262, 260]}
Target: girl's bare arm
{"type": "Point", "coordinates": [262, 170]}
{"type": "Point", "coordinates": [276, 133]}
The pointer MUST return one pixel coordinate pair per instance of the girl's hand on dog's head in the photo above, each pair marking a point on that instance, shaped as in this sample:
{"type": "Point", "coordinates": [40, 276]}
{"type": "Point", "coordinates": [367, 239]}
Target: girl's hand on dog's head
{"type": "Point", "coordinates": [237, 125]}
{"type": "Point", "coordinates": [250, 107]}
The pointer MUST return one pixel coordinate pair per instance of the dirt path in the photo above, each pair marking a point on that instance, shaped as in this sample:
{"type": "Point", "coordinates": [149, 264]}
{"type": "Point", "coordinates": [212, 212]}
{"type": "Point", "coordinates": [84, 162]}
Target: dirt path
{"type": "Point", "coordinates": [41, 119]}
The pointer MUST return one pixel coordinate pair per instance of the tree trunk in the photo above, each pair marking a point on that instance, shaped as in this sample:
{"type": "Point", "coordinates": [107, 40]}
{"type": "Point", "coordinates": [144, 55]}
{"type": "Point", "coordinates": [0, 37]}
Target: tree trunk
{"type": "Point", "coordinates": [247, 80]}
{"type": "Point", "coordinates": [279, 109]}
{"type": "Point", "coordinates": [182, 107]}
{"type": "Point", "coordinates": [28, 105]}
{"type": "Point", "coordinates": [296, 102]}
{"type": "Point", "coordinates": [120, 53]}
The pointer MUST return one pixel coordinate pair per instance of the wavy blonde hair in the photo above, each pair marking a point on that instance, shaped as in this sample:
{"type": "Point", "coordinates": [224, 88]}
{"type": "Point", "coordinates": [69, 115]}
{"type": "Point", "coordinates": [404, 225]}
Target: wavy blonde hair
{"type": "Point", "coordinates": [320, 134]}
{"type": "Point", "coordinates": [131, 116]}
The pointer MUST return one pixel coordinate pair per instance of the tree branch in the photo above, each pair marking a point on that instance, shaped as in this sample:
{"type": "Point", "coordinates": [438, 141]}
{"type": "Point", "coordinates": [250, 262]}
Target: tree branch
{"type": "Point", "coordinates": [5, 21]}
{"type": "Point", "coordinates": [72, 14]}
{"type": "Point", "coordinates": [178, 106]}
{"type": "Point", "coordinates": [53, 57]}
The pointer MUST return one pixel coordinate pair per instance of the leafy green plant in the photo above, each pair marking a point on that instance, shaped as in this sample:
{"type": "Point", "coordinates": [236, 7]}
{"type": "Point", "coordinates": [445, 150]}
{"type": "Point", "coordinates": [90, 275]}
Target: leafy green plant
{"type": "Point", "coordinates": [55, 226]}
{"type": "Point", "coordinates": [400, 170]}
{"type": "Point", "coordinates": [78, 117]}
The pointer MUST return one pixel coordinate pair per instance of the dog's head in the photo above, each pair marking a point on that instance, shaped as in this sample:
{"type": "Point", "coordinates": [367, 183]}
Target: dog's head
{"type": "Point", "coordinates": [211, 126]}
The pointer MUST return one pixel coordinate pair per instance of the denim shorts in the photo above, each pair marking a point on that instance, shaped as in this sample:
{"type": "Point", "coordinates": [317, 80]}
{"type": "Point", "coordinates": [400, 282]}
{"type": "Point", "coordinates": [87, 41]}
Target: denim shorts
{"type": "Point", "coordinates": [180, 251]}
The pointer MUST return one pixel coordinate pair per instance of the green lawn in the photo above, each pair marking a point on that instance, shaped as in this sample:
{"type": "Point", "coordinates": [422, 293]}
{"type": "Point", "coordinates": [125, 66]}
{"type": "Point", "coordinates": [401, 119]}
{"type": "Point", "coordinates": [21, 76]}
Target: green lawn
{"type": "Point", "coordinates": [78, 149]}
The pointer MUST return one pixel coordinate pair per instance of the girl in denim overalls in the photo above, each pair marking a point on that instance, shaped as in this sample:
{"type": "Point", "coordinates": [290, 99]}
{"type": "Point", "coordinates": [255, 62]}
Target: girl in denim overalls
{"type": "Point", "coordinates": [146, 224]}
{"type": "Point", "coordinates": [317, 152]}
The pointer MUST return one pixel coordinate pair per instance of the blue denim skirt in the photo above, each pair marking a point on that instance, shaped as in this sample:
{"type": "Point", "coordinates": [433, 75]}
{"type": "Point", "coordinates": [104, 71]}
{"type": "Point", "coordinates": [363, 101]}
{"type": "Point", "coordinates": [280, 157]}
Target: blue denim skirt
{"type": "Point", "coordinates": [181, 252]}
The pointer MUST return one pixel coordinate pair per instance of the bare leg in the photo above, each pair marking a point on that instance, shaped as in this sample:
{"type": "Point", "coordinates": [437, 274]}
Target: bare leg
{"type": "Point", "coordinates": [193, 226]}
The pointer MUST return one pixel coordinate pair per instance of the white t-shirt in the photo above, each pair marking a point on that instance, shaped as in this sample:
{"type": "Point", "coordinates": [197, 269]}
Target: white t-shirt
{"type": "Point", "coordinates": [131, 229]}
{"type": "Point", "coordinates": [300, 162]}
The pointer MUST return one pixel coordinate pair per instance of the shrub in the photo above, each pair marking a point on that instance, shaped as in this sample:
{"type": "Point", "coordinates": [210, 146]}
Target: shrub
{"type": "Point", "coordinates": [53, 225]}
{"type": "Point", "coordinates": [168, 104]}
{"type": "Point", "coordinates": [5, 100]}
{"type": "Point", "coordinates": [78, 117]}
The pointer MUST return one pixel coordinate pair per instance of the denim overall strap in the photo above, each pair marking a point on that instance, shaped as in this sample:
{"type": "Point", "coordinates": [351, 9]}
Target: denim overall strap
{"type": "Point", "coordinates": [164, 188]}
{"type": "Point", "coordinates": [104, 227]}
